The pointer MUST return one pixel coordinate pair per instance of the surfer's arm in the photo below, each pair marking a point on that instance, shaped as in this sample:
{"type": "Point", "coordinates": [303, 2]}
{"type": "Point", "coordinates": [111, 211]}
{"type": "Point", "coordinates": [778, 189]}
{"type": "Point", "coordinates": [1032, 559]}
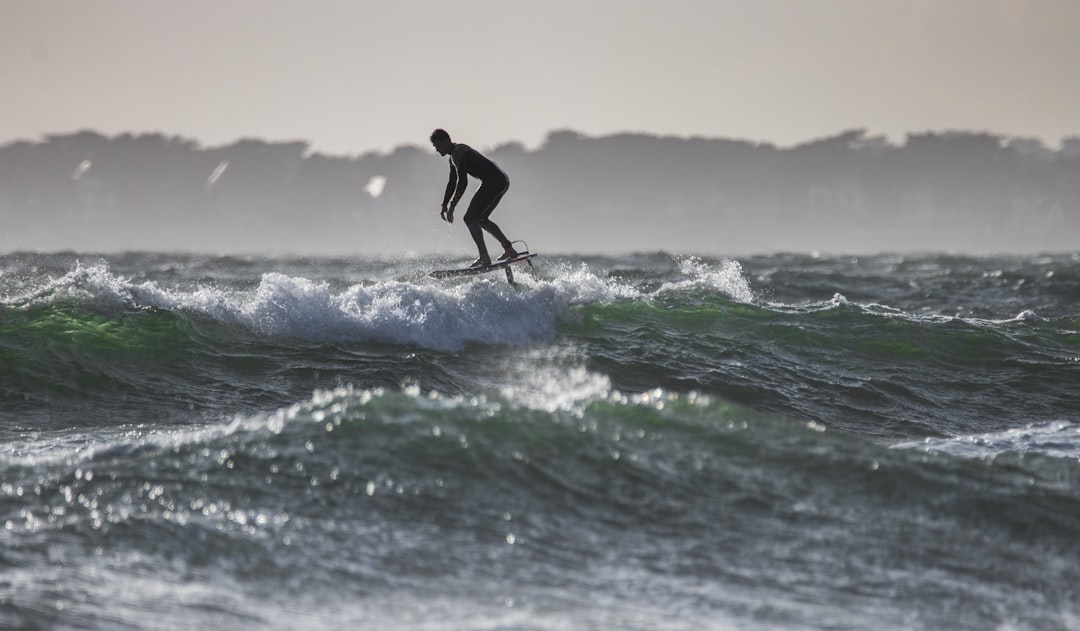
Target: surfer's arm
{"type": "Point", "coordinates": [451, 197]}
{"type": "Point", "coordinates": [463, 180]}
{"type": "Point", "coordinates": [449, 189]}
{"type": "Point", "coordinates": [460, 176]}
{"type": "Point", "coordinates": [455, 187]}
{"type": "Point", "coordinates": [451, 185]}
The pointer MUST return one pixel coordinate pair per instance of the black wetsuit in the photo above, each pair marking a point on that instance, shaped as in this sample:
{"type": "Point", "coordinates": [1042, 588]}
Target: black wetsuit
{"type": "Point", "coordinates": [466, 161]}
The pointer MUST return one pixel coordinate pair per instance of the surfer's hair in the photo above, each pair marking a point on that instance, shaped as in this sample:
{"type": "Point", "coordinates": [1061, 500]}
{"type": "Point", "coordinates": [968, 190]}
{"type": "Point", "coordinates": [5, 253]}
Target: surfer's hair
{"type": "Point", "coordinates": [440, 135]}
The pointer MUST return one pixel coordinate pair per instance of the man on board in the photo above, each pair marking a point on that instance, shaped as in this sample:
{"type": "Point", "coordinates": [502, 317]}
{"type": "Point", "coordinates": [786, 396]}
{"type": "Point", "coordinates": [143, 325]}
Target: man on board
{"type": "Point", "coordinates": [466, 161]}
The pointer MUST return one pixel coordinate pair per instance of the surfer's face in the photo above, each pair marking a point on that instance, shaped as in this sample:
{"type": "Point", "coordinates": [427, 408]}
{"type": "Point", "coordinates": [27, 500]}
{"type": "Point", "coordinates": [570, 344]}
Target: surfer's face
{"type": "Point", "coordinates": [442, 146]}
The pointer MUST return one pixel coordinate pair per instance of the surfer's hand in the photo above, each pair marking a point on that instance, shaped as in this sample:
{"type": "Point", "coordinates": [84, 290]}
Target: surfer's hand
{"type": "Point", "coordinates": [447, 214]}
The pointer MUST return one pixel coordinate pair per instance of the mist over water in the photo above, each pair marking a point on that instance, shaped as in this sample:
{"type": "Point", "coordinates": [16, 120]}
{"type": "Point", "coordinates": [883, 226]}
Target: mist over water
{"type": "Point", "coordinates": [851, 193]}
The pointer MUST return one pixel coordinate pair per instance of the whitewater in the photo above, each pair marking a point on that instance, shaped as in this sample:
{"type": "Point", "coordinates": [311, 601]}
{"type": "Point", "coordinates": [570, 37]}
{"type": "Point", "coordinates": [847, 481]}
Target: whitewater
{"type": "Point", "coordinates": [645, 441]}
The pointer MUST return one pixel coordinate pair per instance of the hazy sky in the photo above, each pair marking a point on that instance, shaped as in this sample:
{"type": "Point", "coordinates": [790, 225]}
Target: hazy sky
{"type": "Point", "coordinates": [352, 76]}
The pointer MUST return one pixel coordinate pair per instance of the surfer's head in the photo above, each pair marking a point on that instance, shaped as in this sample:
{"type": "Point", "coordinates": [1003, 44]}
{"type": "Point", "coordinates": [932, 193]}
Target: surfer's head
{"type": "Point", "coordinates": [441, 141]}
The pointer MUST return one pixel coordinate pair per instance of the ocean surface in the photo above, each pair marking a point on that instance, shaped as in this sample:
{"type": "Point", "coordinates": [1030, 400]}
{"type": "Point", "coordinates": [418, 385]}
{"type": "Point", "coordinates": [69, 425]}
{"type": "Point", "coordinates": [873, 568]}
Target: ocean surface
{"type": "Point", "coordinates": [652, 441]}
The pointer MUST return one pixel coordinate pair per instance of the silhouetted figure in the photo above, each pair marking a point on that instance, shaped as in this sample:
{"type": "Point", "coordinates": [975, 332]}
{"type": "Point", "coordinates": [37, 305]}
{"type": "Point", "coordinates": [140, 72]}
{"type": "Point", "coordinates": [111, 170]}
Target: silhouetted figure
{"type": "Point", "coordinates": [466, 161]}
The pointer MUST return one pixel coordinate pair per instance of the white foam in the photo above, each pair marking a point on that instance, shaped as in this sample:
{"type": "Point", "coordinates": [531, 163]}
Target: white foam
{"type": "Point", "coordinates": [431, 316]}
{"type": "Point", "coordinates": [1058, 439]}
{"type": "Point", "coordinates": [579, 285]}
{"type": "Point", "coordinates": [94, 281]}
{"type": "Point", "coordinates": [726, 277]}
{"type": "Point", "coordinates": [392, 312]}
{"type": "Point", "coordinates": [428, 314]}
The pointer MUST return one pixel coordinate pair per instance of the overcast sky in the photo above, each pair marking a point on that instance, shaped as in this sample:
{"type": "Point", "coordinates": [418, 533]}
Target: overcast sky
{"type": "Point", "coordinates": [353, 76]}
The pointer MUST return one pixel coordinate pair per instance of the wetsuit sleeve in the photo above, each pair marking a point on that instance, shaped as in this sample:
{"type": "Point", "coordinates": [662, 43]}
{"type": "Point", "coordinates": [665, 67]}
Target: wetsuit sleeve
{"type": "Point", "coordinates": [459, 174]}
{"type": "Point", "coordinates": [451, 184]}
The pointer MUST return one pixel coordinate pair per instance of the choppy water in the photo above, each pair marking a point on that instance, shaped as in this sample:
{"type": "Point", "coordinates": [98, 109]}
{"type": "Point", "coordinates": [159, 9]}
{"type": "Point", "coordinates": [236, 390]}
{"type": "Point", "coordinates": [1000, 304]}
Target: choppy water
{"type": "Point", "coordinates": [640, 442]}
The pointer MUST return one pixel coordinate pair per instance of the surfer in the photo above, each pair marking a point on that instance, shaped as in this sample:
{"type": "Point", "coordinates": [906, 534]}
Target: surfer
{"type": "Point", "coordinates": [466, 161]}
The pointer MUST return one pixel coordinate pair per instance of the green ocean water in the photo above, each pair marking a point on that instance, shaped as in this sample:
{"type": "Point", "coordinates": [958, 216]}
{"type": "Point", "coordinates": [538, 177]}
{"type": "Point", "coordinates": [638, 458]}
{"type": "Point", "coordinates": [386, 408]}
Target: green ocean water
{"type": "Point", "coordinates": [652, 441]}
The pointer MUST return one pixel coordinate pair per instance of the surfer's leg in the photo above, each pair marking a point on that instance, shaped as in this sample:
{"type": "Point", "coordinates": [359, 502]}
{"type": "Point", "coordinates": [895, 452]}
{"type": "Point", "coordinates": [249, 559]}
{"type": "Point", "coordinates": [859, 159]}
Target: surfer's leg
{"type": "Point", "coordinates": [497, 190]}
{"type": "Point", "coordinates": [478, 236]}
{"type": "Point", "coordinates": [494, 231]}
{"type": "Point", "coordinates": [476, 218]}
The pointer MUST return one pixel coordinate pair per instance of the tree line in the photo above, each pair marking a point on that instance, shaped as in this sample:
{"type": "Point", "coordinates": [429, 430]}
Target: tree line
{"type": "Point", "coordinates": [851, 192]}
